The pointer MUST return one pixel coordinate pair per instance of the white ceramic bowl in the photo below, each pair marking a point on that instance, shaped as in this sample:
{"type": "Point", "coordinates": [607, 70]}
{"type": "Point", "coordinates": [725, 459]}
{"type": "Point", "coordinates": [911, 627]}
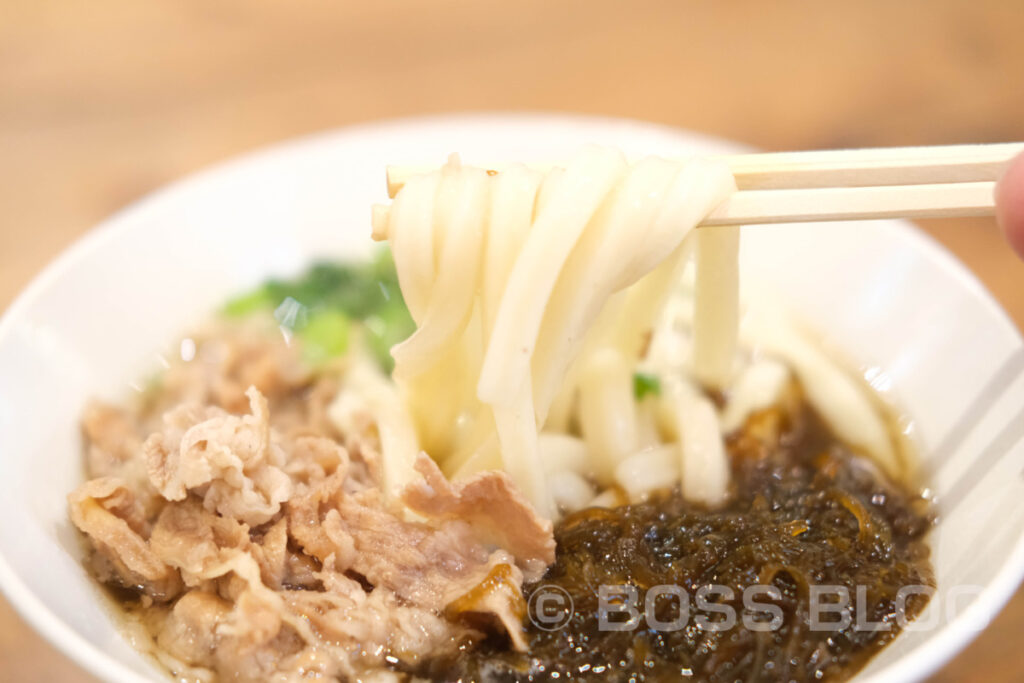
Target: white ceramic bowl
{"type": "Point", "coordinates": [104, 312]}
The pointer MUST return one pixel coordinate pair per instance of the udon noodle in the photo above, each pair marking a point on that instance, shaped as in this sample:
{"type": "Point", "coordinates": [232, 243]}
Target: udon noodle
{"type": "Point", "coordinates": [537, 296]}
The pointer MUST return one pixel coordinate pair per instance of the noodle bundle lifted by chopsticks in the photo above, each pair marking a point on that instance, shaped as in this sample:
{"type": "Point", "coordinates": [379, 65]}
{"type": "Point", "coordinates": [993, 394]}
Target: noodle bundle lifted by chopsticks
{"type": "Point", "coordinates": [535, 296]}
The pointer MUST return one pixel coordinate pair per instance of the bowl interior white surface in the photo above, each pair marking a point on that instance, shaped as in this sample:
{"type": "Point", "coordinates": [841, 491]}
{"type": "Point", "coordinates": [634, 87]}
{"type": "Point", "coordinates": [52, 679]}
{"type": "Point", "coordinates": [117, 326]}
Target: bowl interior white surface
{"type": "Point", "coordinates": [105, 312]}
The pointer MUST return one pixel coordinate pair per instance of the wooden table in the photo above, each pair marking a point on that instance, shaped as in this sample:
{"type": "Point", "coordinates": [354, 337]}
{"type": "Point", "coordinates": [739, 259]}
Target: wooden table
{"type": "Point", "coordinates": [102, 102]}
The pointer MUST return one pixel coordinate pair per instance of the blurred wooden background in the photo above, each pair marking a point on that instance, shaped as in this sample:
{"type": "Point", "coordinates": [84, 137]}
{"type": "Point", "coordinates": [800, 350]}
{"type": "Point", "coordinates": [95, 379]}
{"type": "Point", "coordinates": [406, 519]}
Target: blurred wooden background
{"type": "Point", "coordinates": [102, 102]}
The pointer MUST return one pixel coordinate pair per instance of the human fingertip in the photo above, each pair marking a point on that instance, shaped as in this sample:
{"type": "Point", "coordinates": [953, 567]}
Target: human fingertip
{"type": "Point", "coordinates": [1009, 198]}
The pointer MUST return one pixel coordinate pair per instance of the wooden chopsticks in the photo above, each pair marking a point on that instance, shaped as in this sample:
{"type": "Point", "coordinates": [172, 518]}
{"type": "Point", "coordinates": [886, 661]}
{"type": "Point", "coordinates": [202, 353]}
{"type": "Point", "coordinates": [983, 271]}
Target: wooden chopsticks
{"type": "Point", "coordinates": [894, 182]}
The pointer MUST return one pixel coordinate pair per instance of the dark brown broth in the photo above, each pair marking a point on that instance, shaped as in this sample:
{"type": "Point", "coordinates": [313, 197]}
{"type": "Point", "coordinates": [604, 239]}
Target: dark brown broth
{"type": "Point", "coordinates": [805, 511]}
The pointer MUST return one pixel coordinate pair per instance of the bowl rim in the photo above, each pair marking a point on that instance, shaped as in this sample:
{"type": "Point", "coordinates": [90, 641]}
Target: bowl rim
{"type": "Point", "coordinates": [916, 665]}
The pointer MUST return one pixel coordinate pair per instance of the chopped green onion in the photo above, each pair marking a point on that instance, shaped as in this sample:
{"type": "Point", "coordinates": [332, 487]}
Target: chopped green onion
{"type": "Point", "coordinates": [326, 301]}
{"type": "Point", "coordinates": [325, 336]}
{"type": "Point", "coordinates": [645, 384]}
{"type": "Point", "coordinates": [257, 300]}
